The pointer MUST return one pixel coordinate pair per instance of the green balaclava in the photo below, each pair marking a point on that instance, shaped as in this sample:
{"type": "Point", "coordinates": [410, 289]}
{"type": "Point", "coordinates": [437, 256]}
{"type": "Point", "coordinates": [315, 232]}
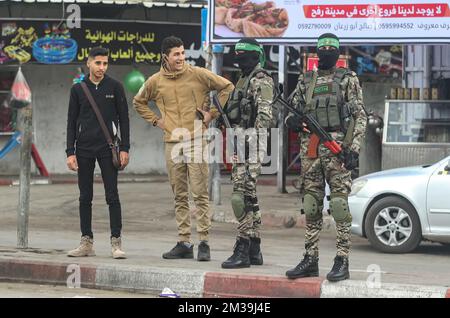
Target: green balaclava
{"type": "Point", "coordinates": [253, 54]}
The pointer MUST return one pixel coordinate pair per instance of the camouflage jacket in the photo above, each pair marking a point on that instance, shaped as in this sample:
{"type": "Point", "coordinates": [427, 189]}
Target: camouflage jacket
{"type": "Point", "coordinates": [261, 90]}
{"type": "Point", "coordinates": [352, 94]}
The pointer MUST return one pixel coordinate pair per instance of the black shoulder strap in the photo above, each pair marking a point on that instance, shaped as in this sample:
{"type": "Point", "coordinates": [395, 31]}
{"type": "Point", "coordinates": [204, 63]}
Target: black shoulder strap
{"type": "Point", "coordinates": [97, 112]}
{"type": "Point", "coordinates": [310, 87]}
{"type": "Point", "coordinates": [339, 74]}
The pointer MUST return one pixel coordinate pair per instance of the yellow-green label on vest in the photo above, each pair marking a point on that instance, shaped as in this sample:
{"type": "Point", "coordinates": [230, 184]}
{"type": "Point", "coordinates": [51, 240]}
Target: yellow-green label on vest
{"type": "Point", "coordinates": [322, 89]}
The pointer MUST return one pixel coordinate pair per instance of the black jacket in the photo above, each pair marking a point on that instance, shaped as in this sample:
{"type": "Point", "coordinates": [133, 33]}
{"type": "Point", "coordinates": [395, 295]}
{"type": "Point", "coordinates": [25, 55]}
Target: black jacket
{"type": "Point", "coordinates": [84, 134]}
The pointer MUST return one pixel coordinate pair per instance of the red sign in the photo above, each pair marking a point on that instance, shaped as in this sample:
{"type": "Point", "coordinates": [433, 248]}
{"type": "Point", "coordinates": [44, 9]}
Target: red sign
{"type": "Point", "coordinates": [364, 11]}
{"type": "Point", "coordinates": [313, 62]}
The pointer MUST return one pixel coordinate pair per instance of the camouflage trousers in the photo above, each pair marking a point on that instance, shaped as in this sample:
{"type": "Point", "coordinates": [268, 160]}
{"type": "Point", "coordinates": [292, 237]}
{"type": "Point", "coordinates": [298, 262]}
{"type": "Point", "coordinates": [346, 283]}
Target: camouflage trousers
{"type": "Point", "coordinates": [244, 177]}
{"type": "Point", "coordinates": [327, 167]}
{"type": "Point", "coordinates": [312, 234]}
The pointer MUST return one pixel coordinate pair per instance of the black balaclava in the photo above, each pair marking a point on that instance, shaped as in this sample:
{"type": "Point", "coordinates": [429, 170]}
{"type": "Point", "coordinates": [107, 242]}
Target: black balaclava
{"type": "Point", "coordinates": [328, 58]}
{"type": "Point", "coordinates": [248, 60]}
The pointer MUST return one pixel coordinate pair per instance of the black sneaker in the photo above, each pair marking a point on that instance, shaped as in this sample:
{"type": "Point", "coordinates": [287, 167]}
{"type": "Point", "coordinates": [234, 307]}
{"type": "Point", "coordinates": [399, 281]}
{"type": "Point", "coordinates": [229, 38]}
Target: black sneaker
{"type": "Point", "coordinates": [181, 250]}
{"type": "Point", "coordinates": [203, 252]}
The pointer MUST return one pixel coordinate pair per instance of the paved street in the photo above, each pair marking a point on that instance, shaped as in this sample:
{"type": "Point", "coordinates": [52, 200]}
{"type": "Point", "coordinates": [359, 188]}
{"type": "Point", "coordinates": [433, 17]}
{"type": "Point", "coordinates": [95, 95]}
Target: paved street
{"type": "Point", "coordinates": [21, 290]}
{"type": "Point", "coordinates": [149, 230]}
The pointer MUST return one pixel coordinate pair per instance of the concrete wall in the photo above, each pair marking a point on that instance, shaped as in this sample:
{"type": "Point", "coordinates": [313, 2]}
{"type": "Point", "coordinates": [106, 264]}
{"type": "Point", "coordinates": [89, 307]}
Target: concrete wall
{"type": "Point", "coordinates": [50, 85]}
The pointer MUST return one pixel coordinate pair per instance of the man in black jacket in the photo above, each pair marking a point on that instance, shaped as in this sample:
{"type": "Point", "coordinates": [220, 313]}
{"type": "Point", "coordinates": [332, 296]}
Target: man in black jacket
{"type": "Point", "coordinates": [86, 143]}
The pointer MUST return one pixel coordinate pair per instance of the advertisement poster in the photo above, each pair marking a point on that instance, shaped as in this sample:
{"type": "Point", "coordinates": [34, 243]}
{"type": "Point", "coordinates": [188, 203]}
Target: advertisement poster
{"type": "Point", "coordinates": [129, 43]}
{"type": "Point", "coordinates": [357, 21]}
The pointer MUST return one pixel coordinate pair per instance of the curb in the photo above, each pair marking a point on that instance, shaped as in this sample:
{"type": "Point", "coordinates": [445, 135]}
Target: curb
{"type": "Point", "coordinates": [110, 277]}
{"type": "Point", "coordinates": [44, 181]}
{"type": "Point", "coordinates": [98, 179]}
{"type": "Point", "coordinates": [362, 289]}
{"type": "Point", "coordinates": [6, 182]}
{"type": "Point", "coordinates": [288, 221]}
{"type": "Point", "coordinates": [235, 285]}
{"type": "Point", "coordinates": [139, 278]}
{"type": "Point", "coordinates": [269, 218]}
{"type": "Point", "coordinates": [202, 284]}
{"type": "Point", "coordinates": [44, 272]}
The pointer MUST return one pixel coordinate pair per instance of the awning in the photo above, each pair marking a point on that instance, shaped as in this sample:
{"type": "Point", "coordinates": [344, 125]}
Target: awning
{"type": "Point", "coordinates": [146, 3]}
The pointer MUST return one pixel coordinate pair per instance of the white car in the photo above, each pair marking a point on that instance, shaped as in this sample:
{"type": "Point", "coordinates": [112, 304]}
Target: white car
{"type": "Point", "coordinates": [397, 209]}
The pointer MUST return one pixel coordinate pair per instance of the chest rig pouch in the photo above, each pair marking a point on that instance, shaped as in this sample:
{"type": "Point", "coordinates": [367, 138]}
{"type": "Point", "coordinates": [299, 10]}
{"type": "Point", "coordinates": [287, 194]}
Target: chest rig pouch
{"type": "Point", "coordinates": [327, 104]}
{"type": "Point", "coordinates": [240, 107]}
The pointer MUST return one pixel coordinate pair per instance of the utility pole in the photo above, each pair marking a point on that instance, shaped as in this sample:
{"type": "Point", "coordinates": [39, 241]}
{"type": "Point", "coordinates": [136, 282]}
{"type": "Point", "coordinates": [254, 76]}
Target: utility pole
{"type": "Point", "coordinates": [282, 132]}
{"type": "Point", "coordinates": [25, 126]}
{"type": "Point", "coordinates": [215, 179]}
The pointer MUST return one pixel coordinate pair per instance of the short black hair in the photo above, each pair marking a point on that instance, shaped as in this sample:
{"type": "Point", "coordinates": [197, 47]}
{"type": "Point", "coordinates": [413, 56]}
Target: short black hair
{"type": "Point", "coordinates": [170, 42]}
{"type": "Point", "coordinates": [98, 51]}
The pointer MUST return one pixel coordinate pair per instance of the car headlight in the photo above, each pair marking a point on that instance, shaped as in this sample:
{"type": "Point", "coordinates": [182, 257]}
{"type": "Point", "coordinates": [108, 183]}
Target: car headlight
{"type": "Point", "coordinates": [357, 185]}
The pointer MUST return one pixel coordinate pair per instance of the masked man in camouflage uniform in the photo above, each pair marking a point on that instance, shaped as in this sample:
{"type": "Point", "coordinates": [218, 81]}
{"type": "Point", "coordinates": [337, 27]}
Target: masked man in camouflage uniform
{"type": "Point", "coordinates": [249, 108]}
{"type": "Point", "coordinates": [335, 100]}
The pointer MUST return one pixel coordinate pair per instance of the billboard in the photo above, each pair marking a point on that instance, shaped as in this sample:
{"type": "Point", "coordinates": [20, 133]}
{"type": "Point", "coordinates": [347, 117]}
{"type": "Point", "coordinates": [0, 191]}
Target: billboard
{"type": "Point", "coordinates": [354, 21]}
{"type": "Point", "coordinates": [52, 42]}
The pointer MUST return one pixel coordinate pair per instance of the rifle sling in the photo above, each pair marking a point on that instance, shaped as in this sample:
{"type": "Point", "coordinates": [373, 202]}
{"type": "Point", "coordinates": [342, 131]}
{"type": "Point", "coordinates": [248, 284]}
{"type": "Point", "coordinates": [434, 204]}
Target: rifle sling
{"type": "Point", "coordinates": [313, 139]}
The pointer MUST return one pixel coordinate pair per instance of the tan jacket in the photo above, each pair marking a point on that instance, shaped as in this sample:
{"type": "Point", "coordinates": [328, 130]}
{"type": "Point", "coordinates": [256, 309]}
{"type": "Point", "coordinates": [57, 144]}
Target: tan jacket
{"type": "Point", "coordinates": [178, 95]}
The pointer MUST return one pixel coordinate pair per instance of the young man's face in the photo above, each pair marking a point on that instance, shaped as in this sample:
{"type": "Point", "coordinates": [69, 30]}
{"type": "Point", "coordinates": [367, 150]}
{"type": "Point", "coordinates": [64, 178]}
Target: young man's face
{"type": "Point", "coordinates": [97, 66]}
{"type": "Point", "coordinates": [176, 58]}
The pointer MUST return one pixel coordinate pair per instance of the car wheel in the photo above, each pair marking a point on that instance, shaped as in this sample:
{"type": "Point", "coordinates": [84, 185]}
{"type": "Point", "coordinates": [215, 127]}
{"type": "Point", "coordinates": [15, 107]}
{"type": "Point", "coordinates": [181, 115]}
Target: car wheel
{"type": "Point", "coordinates": [393, 226]}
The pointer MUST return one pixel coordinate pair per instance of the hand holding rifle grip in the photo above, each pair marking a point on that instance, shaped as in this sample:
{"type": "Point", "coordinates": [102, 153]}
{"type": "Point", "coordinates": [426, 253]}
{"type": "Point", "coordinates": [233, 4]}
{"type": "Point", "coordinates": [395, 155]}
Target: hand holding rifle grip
{"type": "Point", "coordinates": [216, 103]}
{"type": "Point", "coordinates": [312, 125]}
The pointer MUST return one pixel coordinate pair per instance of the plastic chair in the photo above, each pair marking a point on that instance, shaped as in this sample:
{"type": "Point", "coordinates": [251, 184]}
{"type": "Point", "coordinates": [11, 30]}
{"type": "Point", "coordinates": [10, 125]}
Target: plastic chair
{"type": "Point", "coordinates": [11, 144]}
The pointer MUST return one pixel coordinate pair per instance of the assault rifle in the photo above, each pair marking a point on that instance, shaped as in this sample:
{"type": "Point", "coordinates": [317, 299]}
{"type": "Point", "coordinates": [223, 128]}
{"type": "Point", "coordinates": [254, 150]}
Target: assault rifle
{"type": "Point", "coordinates": [216, 103]}
{"type": "Point", "coordinates": [312, 125]}
{"type": "Point", "coordinates": [226, 121]}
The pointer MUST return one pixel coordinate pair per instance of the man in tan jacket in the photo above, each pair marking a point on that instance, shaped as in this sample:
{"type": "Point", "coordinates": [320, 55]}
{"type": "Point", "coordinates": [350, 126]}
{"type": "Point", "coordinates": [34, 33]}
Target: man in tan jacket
{"type": "Point", "coordinates": [181, 93]}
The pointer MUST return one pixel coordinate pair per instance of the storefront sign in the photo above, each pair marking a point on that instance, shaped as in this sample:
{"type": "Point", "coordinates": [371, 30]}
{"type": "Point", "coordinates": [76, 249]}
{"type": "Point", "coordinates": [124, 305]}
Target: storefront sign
{"type": "Point", "coordinates": [53, 43]}
{"type": "Point", "coordinates": [357, 21]}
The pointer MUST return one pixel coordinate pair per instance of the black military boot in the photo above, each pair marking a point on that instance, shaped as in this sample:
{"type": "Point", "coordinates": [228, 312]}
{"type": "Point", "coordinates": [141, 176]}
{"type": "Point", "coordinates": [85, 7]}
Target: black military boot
{"type": "Point", "coordinates": [255, 254]}
{"type": "Point", "coordinates": [308, 267]}
{"type": "Point", "coordinates": [339, 270]}
{"type": "Point", "coordinates": [240, 257]}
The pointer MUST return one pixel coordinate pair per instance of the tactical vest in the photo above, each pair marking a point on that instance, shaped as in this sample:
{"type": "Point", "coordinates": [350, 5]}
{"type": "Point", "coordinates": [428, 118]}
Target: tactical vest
{"type": "Point", "coordinates": [327, 104]}
{"type": "Point", "coordinates": [241, 110]}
